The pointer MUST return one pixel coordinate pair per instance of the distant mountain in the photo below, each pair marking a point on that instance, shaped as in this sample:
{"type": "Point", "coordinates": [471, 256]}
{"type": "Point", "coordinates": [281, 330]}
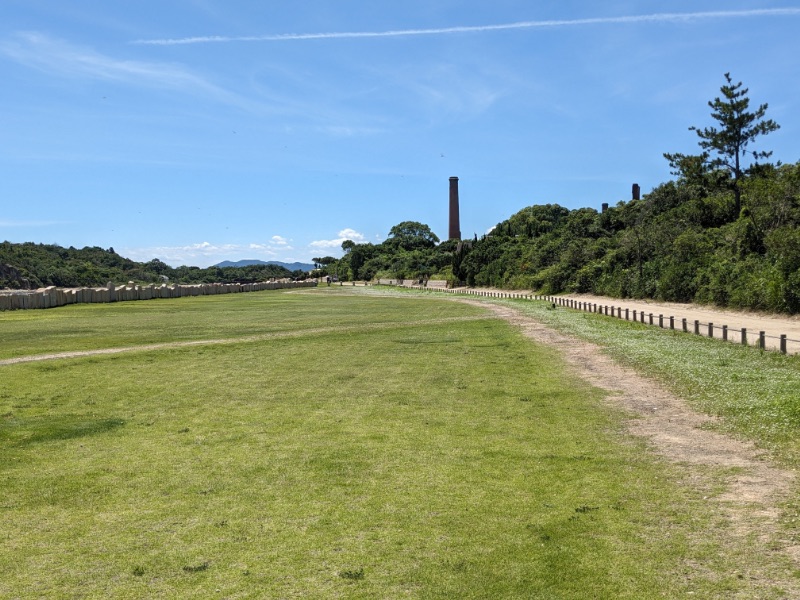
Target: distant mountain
{"type": "Point", "coordinates": [248, 263]}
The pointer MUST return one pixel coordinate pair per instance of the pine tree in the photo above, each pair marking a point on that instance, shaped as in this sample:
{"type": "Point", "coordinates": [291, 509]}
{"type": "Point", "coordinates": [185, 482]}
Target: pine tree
{"type": "Point", "coordinates": [725, 147]}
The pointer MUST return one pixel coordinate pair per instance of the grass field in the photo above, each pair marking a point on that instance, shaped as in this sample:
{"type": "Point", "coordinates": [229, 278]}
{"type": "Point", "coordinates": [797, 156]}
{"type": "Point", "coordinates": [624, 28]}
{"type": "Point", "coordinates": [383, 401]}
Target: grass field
{"type": "Point", "coordinates": [336, 445]}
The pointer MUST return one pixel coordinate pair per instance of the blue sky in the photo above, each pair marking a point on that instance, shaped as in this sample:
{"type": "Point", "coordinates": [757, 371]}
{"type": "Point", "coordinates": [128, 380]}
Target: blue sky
{"type": "Point", "coordinates": [196, 131]}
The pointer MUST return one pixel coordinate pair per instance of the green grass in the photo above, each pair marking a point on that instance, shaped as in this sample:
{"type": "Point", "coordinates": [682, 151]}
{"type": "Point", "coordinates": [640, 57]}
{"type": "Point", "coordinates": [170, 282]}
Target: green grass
{"type": "Point", "coordinates": [409, 448]}
{"type": "Point", "coordinates": [92, 326]}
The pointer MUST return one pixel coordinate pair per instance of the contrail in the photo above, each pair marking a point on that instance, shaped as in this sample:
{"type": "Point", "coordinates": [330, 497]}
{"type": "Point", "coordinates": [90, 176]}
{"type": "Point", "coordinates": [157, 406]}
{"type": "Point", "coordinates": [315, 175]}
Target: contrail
{"type": "Point", "coordinates": [655, 18]}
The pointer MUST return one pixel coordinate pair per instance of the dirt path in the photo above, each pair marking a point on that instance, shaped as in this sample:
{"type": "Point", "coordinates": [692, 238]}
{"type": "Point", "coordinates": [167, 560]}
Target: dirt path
{"type": "Point", "coordinates": [752, 499]}
{"type": "Point", "coordinates": [214, 342]}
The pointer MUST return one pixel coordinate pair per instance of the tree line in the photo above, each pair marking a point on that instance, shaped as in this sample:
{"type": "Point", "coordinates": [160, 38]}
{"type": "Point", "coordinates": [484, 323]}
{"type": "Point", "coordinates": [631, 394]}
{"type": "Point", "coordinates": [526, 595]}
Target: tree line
{"type": "Point", "coordinates": [29, 266]}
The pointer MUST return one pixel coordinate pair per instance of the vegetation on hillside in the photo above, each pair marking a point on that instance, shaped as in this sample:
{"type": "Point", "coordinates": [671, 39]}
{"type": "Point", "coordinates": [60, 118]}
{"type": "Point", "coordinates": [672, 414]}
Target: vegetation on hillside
{"type": "Point", "coordinates": [29, 265]}
{"type": "Point", "coordinates": [411, 251]}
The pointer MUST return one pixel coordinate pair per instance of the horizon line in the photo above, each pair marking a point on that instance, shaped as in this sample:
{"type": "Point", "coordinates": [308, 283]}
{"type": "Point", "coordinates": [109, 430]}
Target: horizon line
{"type": "Point", "coordinates": [656, 17]}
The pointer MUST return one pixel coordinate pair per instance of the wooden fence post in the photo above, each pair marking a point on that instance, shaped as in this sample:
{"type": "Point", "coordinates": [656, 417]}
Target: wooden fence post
{"type": "Point", "coordinates": [710, 330]}
{"type": "Point", "coordinates": [725, 333]}
{"type": "Point", "coordinates": [696, 327]}
{"type": "Point", "coordinates": [685, 328]}
{"type": "Point", "coordinates": [783, 343]}
{"type": "Point", "coordinates": [744, 336]}
{"type": "Point", "coordinates": [762, 340]}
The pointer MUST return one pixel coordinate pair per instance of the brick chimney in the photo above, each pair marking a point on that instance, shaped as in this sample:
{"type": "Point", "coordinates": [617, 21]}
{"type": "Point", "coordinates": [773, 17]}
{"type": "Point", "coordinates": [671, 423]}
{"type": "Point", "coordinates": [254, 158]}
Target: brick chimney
{"type": "Point", "coordinates": [455, 223]}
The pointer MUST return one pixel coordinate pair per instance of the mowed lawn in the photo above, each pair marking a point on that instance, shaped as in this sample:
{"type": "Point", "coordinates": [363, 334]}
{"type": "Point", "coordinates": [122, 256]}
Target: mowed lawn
{"type": "Point", "coordinates": [337, 445]}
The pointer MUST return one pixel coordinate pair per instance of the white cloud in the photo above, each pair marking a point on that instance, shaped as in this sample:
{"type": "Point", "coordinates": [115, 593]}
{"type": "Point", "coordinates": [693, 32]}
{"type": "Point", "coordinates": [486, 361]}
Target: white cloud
{"type": "Point", "coordinates": [191, 254]}
{"type": "Point", "coordinates": [203, 254]}
{"type": "Point", "coordinates": [337, 243]}
{"type": "Point", "coordinates": [61, 58]}
{"type": "Point", "coordinates": [349, 131]}
{"type": "Point", "coordinates": [652, 18]}
{"type": "Point", "coordinates": [275, 244]}
{"type": "Point", "coordinates": [351, 234]}
{"type": "Point", "coordinates": [29, 223]}
{"type": "Point", "coordinates": [344, 234]}
{"type": "Point", "coordinates": [444, 86]}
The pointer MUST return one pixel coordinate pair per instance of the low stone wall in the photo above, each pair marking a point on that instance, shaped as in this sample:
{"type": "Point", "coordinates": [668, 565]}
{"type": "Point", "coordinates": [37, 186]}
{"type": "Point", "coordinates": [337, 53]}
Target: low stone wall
{"type": "Point", "coordinates": [52, 297]}
{"type": "Point", "coordinates": [438, 284]}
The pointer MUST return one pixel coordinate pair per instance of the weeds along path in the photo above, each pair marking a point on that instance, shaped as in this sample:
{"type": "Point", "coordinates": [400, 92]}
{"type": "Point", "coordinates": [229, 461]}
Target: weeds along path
{"type": "Point", "coordinates": [752, 498]}
{"type": "Point", "coordinates": [237, 340]}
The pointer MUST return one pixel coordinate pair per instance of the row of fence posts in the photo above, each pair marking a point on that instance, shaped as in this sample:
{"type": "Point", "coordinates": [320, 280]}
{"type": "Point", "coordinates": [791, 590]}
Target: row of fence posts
{"type": "Point", "coordinates": [626, 313]}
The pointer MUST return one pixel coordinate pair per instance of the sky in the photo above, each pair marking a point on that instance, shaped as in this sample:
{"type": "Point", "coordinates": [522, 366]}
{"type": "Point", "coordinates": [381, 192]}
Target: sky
{"type": "Point", "coordinates": [198, 131]}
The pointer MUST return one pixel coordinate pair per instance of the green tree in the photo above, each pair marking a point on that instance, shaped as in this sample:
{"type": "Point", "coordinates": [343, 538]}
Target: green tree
{"type": "Point", "coordinates": [157, 266]}
{"type": "Point", "coordinates": [728, 143]}
{"type": "Point", "coordinates": [411, 235]}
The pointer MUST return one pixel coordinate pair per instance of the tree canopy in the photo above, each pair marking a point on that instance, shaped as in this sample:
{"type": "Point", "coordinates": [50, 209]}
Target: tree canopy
{"type": "Point", "coordinates": [411, 235]}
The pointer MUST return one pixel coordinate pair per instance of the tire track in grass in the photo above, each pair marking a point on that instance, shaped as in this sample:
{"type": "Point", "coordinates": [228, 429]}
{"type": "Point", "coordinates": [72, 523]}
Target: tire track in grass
{"type": "Point", "coordinates": [239, 340]}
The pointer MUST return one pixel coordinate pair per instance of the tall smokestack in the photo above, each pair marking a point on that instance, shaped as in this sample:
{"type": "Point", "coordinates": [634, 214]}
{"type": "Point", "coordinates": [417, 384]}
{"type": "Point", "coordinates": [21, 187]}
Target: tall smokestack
{"type": "Point", "coordinates": [636, 191]}
{"type": "Point", "coordinates": [455, 223]}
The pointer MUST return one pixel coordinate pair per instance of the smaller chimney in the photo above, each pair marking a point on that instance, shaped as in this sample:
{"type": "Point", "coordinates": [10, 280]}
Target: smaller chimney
{"type": "Point", "coordinates": [604, 207]}
{"type": "Point", "coordinates": [636, 191]}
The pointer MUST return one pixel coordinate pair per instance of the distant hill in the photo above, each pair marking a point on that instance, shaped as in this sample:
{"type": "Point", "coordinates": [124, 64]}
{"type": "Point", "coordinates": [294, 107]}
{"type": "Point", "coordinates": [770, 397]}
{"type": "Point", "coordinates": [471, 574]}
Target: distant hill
{"type": "Point", "coordinates": [249, 263]}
